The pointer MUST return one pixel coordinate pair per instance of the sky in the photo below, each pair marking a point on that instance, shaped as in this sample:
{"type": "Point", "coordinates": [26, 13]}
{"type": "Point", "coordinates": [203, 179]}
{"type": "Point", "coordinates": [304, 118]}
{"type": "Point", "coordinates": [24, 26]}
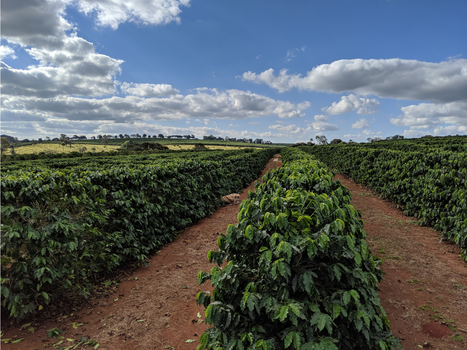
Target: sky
{"type": "Point", "coordinates": [284, 71]}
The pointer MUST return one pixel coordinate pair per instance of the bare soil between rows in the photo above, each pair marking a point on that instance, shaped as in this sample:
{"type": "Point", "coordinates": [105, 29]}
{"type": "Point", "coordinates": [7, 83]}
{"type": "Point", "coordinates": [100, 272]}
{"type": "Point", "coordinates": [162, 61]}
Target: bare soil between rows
{"type": "Point", "coordinates": [424, 291]}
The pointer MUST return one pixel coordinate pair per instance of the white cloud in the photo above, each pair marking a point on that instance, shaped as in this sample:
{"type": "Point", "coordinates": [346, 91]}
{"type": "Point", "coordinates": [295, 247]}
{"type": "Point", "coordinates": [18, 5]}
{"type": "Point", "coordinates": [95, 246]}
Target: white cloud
{"type": "Point", "coordinates": [321, 118]}
{"type": "Point", "coordinates": [149, 90]}
{"type": "Point", "coordinates": [291, 53]}
{"type": "Point", "coordinates": [431, 115]}
{"type": "Point", "coordinates": [111, 13]}
{"type": "Point", "coordinates": [231, 104]}
{"type": "Point", "coordinates": [323, 126]}
{"type": "Point", "coordinates": [450, 130]}
{"type": "Point", "coordinates": [37, 23]}
{"type": "Point", "coordinates": [7, 51]}
{"type": "Point", "coordinates": [360, 124]}
{"type": "Point", "coordinates": [393, 78]}
{"type": "Point", "coordinates": [290, 129]}
{"type": "Point", "coordinates": [352, 102]}
{"type": "Point", "coordinates": [369, 132]}
{"type": "Point", "coordinates": [363, 135]}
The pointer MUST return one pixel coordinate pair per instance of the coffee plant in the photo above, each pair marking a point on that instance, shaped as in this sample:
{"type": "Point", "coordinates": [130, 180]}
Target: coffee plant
{"type": "Point", "coordinates": [62, 229]}
{"type": "Point", "coordinates": [296, 271]}
{"type": "Point", "coordinates": [430, 185]}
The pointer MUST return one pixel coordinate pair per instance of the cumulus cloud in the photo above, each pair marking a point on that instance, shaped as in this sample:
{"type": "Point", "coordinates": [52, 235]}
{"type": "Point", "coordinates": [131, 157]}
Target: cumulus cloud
{"type": "Point", "coordinates": [149, 90]}
{"type": "Point", "coordinates": [231, 104]}
{"type": "Point", "coordinates": [393, 78]}
{"type": "Point", "coordinates": [351, 103]}
{"type": "Point", "coordinates": [291, 129]}
{"type": "Point", "coordinates": [323, 126]}
{"type": "Point", "coordinates": [360, 124]}
{"type": "Point", "coordinates": [7, 51]}
{"type": "Point", "coordinates": [67, 64]}
{"type": "Point", "coordinates": [321, 118]}
{"type": "Point", "coordinates": [37, 23]}
{"type": "Point", "coordinates": [431, 118]}
{"type": "Point", "coordinates": [431, 115]}
{"type": "Point", "coordinates": [111, 13]}
{"type": "Point", "coordinates": [363, 135]}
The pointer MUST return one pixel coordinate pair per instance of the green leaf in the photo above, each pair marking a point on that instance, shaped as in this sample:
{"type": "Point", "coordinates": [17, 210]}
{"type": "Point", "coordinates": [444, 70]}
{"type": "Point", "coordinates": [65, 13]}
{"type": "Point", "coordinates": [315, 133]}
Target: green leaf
{"type": "Point", "coordinates": [337, 272]}
{"type": "Point", "coordinates": [288, 339]}
{"type": "Point", "coordinates": [296, 341]}
{"type": "Point", "coordinates": [295, 309]}
{"type": "Point", "coordinates": [190, 341]}
{"type": "Point", "coordinates": [346, 297]}
{"type": "Point", "coordinates": [284, 312]}
{"type": "Point", "coordinates": [336, 310]}
{"type": "Point", "coordinates": [322, 321]}
{"type": "Point", "coordinates": [354, 294]}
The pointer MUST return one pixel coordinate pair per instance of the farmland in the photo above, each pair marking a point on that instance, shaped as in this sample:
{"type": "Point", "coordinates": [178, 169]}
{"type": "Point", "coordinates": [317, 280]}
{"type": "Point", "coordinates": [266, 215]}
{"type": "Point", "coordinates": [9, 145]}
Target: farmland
{"type": "Point", "coordinates": [49, 147]}
{"type": "Point", "coordinates": [297, 201]}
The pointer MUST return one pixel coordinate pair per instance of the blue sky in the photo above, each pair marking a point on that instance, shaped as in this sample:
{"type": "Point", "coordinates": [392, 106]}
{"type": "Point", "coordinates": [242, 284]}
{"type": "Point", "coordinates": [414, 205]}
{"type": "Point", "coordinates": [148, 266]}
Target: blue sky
{"type": "Point", "coordinates": [284, 71]}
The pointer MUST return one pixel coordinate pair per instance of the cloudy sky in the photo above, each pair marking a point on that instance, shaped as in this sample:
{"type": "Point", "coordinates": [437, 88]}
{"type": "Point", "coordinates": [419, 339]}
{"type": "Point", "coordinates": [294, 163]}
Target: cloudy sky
{"type": "Point", "coordinates": [283, 71]}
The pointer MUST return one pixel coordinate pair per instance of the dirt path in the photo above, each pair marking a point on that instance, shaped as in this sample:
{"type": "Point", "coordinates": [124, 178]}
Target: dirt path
{"type": "Point", "coordinates": [424, 290]}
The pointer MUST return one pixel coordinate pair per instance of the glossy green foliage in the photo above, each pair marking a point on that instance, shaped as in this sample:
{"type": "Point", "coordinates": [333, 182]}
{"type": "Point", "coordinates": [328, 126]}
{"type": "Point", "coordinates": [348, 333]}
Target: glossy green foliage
{"type": "Point", "coordinates": [62, 229]}
{"type": "Point", "coordinates": [431, 185]}
{"type": "Point", "coordinates": [299, 273]}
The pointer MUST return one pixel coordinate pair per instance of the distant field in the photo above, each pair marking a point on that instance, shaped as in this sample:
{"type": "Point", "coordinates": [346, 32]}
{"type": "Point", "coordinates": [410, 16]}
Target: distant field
{"type": "Point", "coordinates": [216, 147]}
{"type": "Point", "coordinates": [56, 148]}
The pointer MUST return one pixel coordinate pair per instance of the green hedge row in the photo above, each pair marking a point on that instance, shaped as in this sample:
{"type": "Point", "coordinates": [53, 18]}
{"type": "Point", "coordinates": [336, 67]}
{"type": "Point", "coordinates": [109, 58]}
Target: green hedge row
{"type": "Point", "coordinates": [299, 273]}
{"type": "Point", "coordinates": [430, 186]}
{"type": "Point", "coordinates": [62, 229]}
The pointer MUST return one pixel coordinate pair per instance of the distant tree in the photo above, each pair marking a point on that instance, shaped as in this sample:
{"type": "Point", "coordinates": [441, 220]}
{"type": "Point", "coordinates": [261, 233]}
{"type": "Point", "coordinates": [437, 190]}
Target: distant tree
{"type": "Point", "coordinates": [322, 140]}
{"type": "Point", "coordinates": [5, 144]}
{"type": "Point", "coordinates": [105, 139]}
{"type": "Point", "coordinates": [154, 136]}
{"type": "Point", "coordinates": [369, 139]}
{"type": "Point", "coordinates": [336, 141]}
{"type": "Point", "coordinates": [160, 136]}
{"type": "Point", "coordinates": [99, 137]}
{"type": "Point", "coordinates": [93, 137]}
{"type": "Point", "coordinates": [47, 138]}
{"type": "Point", "coordinates": [39, 139]}
{"type": "Point", "coordinates": [82, 149]}
{"type": "Point", "coordinates": [121, 136]}
{"type": "Point", "coordinates": [138, 135]}
{"type": "Point", "coordinates": [93, 149]}
{"type": "Point", "coordinates": [144, 136]}
{"type": "Point", "coordinates": [127, 136]}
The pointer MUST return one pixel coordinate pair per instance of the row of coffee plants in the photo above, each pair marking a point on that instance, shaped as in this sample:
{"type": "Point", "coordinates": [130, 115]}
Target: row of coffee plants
{"type": "Point", "coordinates": [296, 271]}
{"type": "Point", "coordinates": [104, 159]}
{"type": "Point", "coordinates": [431, 144]}
{"type": "Point", "coordinates": [432, 186]}
{"type": "Point", "coordinates": [63, 229]}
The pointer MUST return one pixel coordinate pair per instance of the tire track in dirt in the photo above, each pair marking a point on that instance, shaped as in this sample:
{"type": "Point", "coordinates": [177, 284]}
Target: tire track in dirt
{"type": "Point", "coordinates": [424, 290]}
